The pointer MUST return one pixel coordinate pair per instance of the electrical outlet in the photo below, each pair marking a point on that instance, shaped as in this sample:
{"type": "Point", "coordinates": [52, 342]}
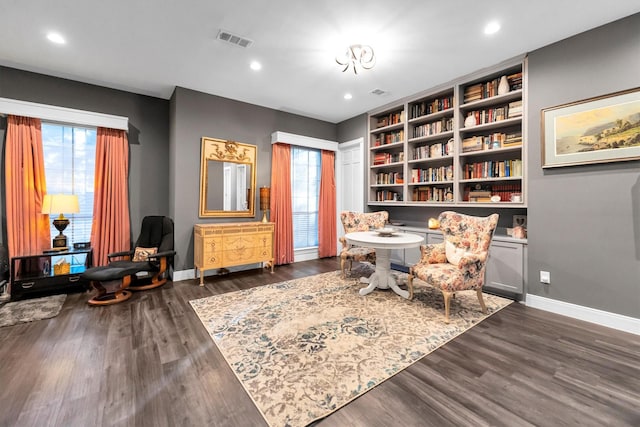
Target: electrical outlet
{"type": "Point", "coordinates": [545, 277]}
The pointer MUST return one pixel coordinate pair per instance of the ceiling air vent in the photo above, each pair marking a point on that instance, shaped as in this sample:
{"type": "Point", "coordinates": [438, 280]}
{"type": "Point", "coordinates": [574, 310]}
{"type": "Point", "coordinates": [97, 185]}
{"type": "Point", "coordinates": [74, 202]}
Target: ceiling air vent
{"type": "Point", "coordinates": [378, 92]}
{"type": "Point", "coordinates": [228, 37]}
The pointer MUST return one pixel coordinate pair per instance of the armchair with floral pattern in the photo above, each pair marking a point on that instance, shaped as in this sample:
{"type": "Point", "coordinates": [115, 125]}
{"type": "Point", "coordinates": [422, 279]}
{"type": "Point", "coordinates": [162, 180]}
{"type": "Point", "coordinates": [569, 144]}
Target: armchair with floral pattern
{"type": "Point", "coordinates": [359, 221]}
{"type": "Point", "coordinates": [459, 262]}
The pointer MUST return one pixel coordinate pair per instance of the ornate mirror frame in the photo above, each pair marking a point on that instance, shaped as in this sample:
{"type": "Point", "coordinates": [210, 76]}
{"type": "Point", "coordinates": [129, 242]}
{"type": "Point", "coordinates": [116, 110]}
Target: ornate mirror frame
{"type": "Point", "coordinates": [229, 155]}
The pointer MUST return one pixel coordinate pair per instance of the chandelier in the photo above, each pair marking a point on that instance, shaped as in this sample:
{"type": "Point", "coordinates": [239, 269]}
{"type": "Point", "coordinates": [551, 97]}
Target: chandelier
{"type": "Point", "coordinates": [357, 56]}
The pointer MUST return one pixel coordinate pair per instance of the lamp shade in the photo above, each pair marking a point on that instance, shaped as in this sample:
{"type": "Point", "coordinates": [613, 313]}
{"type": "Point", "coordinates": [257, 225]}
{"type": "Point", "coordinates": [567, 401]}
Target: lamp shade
{"type": "Point", "coordinates": [60, 204]}
{"type": "Point", "coordinates": [265, 198]}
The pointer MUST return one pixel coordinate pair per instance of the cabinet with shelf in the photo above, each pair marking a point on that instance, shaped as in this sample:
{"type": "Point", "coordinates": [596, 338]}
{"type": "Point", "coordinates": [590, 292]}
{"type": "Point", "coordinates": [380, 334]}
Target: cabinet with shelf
{"type": "Point", "coordinates": [50, 273]}
{"type": "Point", "coordinates": [457, 140]}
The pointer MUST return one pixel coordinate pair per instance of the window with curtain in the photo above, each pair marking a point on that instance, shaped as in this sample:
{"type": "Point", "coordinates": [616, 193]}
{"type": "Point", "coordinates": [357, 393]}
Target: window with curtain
{"type": "Point", "coordinates": [69, 163]}
{"type": "Point", "coordinates": [305, 189]}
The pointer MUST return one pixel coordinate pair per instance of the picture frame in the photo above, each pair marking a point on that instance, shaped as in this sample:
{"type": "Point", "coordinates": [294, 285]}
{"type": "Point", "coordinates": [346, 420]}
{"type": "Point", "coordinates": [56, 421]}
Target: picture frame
{"type": "Point", "coordinates": [595, 130]}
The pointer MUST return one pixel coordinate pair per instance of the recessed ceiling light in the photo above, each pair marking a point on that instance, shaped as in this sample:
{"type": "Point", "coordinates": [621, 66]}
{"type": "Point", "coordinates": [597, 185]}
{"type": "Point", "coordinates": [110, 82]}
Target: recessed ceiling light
{"type": "Point", "coordinates": [56, 38]}
{"type": "Point", "coordinates": [255, 65]}
{"type": "Point", "coordinates": [492, 27]}
{"type": "Point", "coordinates": [347, 96]}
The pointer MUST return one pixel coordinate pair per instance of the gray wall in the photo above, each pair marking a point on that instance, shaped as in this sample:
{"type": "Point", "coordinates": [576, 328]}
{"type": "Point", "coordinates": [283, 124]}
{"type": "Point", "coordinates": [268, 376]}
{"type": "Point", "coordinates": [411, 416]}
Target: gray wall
{"type": "Point", "coordinates": [354, 128]}
{"type": "Point", "coordinates": [584, 221]}
{"type": "Point", "coordinates": [148, 132]}
{"type": "Point", "coordinates": [197, 114]}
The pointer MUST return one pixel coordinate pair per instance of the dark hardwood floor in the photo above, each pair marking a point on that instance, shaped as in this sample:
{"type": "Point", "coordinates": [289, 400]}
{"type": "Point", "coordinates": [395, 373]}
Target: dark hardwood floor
{"type": "Point", "coordinates": [150, 362]}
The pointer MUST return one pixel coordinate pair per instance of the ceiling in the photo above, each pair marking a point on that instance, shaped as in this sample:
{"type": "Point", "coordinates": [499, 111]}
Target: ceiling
{"type": "Point", "coordinates": [152, 46]}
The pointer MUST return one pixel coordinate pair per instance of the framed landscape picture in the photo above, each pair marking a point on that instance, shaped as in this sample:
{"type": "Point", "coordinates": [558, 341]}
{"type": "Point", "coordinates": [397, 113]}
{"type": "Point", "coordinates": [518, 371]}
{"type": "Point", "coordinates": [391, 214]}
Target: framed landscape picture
{"type": "Point", "coordinates": [596, 130]}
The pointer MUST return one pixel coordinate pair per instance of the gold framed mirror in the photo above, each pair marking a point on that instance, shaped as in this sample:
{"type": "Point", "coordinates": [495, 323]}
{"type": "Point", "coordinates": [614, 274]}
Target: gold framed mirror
{"type": "Point", "coordinates": [227, 178]}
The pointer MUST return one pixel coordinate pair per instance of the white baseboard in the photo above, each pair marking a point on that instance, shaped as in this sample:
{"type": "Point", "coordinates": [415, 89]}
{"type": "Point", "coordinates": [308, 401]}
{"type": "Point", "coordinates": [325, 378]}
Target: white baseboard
{"type": "Point", "coordinates": [604, 318]}
{"type": "Point", "coordinates": [191, 273]}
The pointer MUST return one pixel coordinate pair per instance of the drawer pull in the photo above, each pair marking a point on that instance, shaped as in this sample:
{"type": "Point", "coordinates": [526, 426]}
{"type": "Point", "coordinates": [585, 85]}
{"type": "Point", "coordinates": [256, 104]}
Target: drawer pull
{"type": "Point", "coordinates": [27, 285]}
{"type": "Point", "coordinates": [74, 278]}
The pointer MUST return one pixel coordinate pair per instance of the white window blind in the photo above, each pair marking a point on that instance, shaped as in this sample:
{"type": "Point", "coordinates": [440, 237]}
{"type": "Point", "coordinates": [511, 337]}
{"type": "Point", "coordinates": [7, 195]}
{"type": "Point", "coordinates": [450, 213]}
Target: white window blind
{"type": "Point", "coordinates": [69, 162]}
{"type": "Point", "coordinates": [305, 190]}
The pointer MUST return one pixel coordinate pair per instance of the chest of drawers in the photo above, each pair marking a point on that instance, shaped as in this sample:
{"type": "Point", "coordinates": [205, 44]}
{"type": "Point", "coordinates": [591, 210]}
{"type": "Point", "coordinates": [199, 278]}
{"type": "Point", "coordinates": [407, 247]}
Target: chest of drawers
{"type": "Point", "coordinates": [232, 244]}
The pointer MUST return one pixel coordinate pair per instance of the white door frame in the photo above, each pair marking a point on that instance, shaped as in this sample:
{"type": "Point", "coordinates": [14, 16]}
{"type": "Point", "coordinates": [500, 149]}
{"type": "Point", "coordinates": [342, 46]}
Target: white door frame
{"type": "Point", "coordinates": [342, 186]}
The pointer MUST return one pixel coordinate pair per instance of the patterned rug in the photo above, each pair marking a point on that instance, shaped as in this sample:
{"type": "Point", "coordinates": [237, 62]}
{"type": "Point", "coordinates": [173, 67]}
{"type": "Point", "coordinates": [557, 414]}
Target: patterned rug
{"type": "Point", "coordinates": [303, 348]}
{"type": "Point", "coordinates": [30, 310]}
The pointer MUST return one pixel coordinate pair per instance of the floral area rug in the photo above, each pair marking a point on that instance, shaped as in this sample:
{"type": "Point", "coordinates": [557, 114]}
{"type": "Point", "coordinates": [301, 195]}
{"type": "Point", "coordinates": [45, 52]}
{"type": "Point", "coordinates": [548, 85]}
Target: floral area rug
{"type": "Point", "coordinates": [30, 310]}
{"type": "Point", "coordinates": [305, 347]}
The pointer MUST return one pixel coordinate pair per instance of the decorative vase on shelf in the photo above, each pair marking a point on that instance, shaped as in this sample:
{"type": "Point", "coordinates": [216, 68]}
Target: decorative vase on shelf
{"type": "Point", "coordinates": [470, 120]}
{"type": "Point", "coordinates": [503, 86]}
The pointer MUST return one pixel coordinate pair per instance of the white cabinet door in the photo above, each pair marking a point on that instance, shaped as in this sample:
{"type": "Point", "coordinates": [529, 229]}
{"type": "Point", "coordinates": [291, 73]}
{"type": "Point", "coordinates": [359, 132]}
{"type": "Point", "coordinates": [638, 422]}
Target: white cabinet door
{"type": "Point", "coordinates": [412, 255]}
{"type": "Point", "coordinates": [505, 267]}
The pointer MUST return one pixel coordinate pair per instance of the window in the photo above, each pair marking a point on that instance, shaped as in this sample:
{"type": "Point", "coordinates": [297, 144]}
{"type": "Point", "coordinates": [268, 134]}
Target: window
{"type": "Point", "coordinates": [69, 164]}
{"type": "Point", "coordinates": [305, 190]}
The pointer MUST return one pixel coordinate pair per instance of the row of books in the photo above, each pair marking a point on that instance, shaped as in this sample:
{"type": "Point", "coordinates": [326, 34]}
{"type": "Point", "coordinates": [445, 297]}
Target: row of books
{"type": "Point", "coordinates": [432, 151]}
{"type": "Point", "coordinates": [390, 119]}
{"type": "Point", "coordinates": [388, 196]}
{"type": "Point", "coordinates": [386, 158]}
{"type": "Point", "coordinates": [429, 107]}
{"type": "Point", "coordinates": [489, 88]}
{"type": "Point", "coordinates": [436, 174]}
{"type": "Point", "coordinates": [389, 178]}
{"type": "Point", "coordinates": [470, 194]}
{"type": "Point", "coordinates": [495, 114]}
{"type": "Point", "coordinates": [432, 194]}
{"type": "Point", "coordinates": [491, 141]}
{"type": "Point", "coordinates": [492, 169]}
{"type": "Point", "coordinates": [385, 138]}
{"type": "Point", "coordinates": [433, 128]}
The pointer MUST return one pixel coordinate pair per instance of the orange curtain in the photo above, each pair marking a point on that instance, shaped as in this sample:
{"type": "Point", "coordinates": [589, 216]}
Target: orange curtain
{"type": "Point", "coordinates": [281, 212]}
{"type": "Point", "coordinates": [327, 240]}
{"type": "Point", "coordinates": [28, 230]}
{"type": "Point", "coordinates": [111, 229]}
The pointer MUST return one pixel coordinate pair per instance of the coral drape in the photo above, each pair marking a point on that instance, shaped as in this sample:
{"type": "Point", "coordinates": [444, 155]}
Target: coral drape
{"type": "Point", "coordinates": [28, 230]}
{"type": "Point", "coordinates": [281, 212]}
{"type": "Point", "coordinates": [327, 240]}
{"type": "Point", "coordinates": [111, 229]}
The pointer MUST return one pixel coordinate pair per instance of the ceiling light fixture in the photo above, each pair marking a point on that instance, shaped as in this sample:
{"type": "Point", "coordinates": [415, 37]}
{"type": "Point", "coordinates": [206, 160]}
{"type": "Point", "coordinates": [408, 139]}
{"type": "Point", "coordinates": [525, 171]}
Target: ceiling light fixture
{"type": "Point", "coordinates": [348, 96]}
{"type": "Point", "coordinates": [55, 38]}
{"type": "Point", "coordinates": [357, 56]}
{"type": "Point", "coordinates": [255, 65]}
{"type": "Point", "coordinates": [492, 27]}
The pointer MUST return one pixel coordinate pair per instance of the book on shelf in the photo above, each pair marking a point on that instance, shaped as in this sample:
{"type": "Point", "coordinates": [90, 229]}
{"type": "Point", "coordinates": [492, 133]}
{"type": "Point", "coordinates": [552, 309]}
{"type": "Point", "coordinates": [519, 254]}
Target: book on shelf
{"type": "Point", "coordinates": [515, 80]}
{"type": "Point", "coordinates": [504, 190]}
{"type": "Point", "coordinates": [514, 109]}
{"type": "Point", "coordinates": [473, 143]}
{"type": "Point", "coordinates": [390, 119]}
{"type": "Point", "coordinates": [426, 107]}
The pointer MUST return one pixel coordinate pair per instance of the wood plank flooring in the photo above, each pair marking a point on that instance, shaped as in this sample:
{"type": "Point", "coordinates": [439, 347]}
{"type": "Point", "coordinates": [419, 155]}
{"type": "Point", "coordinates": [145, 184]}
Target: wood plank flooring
{"type": "Point", "coordinates": [150, 362]}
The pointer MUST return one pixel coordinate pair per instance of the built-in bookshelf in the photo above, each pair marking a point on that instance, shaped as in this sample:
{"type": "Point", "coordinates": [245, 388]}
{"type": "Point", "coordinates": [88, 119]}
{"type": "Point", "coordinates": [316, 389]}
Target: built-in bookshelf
{"type": "Point", "coordinates": [490, 154]}
{"type": "Point", "coordinates": [456, 145]}
{"type": "Point", "coordinates": [387, 156]}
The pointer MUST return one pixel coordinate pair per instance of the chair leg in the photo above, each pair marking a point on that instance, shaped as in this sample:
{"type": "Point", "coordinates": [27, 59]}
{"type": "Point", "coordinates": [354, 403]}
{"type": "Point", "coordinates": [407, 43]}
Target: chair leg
{"type": "Point", "coordinates": [343, 261]}
{"type": "Point", "coordinates": [410, 284]}
{"type": "Point", "coordinates": [484, 307]}
{"type": "Point", "coordinates": [447, 303]}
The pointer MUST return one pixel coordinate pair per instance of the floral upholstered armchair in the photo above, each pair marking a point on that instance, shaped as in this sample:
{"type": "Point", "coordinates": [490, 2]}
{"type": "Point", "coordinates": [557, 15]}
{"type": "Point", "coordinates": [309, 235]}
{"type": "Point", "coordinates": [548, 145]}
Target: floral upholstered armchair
{"type": "Point", "coordinates": [458, 263]}
{"type": "Point", "coordinates": [358, 221]}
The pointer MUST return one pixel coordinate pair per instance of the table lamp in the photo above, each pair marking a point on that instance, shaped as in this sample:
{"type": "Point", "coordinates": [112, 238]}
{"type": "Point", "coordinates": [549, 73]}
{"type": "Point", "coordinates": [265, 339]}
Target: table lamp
{"type": "Point", "coordinates": [265, 200]}
{"type": "Point", "coordinates": [60, 204]}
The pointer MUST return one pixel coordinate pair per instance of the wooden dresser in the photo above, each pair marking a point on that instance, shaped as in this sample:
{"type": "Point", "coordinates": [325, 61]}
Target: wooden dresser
{"type": "Point", "coordinates": [230, 244]}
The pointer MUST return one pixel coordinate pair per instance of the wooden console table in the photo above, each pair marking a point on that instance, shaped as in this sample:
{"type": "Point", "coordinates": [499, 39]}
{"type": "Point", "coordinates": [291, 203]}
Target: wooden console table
{"type": "Point", "coordinates": [224, 245]}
